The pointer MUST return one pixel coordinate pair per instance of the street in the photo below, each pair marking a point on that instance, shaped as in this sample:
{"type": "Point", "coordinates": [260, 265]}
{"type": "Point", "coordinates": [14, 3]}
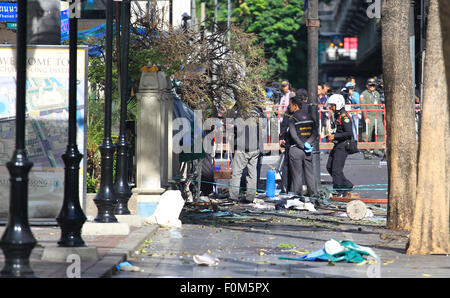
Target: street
{"type": "Point", "coordinates": [248, 241]}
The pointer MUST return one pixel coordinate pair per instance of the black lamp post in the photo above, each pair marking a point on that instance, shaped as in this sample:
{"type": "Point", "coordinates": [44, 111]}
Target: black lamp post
{"type": "Point", "coordinates": [121, 188]}
{"type": "Point", "coordinates": [71, 217]}
{"type": "Point", "coordinates": [18, 241]}
{"type": "Point", "coordinates": [106, 200]}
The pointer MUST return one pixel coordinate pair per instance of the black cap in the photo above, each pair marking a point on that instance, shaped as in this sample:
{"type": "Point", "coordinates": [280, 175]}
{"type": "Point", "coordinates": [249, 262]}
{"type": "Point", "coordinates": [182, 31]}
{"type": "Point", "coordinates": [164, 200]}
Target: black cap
{"type": "Point", "coordinates": [371, 81]}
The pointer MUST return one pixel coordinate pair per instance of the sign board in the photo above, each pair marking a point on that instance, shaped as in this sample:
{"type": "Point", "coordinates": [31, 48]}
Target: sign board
{"type": "Point", "coordinates": [64, 19]}
{"type": "Point", "coordinates": [46, 138]}
{"type": "Point", "coordinates": [11, 25]}
{"type": "Point", "coordinates": [8, 12]}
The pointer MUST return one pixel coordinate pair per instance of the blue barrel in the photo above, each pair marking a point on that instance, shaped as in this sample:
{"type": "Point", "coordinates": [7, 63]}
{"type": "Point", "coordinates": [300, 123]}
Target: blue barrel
{"type": "Point", "coordinates": [270, 184]}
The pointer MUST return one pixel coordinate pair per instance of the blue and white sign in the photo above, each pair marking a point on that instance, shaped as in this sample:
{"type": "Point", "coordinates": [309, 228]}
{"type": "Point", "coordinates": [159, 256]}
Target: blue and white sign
{"type": "Point", "coordinates": [64, 23]}
{"type": "Point", "coordinates": [8, 12]}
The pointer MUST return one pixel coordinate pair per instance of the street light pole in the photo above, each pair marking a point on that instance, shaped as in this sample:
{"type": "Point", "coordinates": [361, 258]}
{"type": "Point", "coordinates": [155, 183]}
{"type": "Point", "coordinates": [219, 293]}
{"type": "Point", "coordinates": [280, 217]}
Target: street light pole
{"type": "Point", "coordinates": [105, 200]}
{"type": "Point", "coordinates": [71, 217]}
{"type": "Point", "coordinates": [121, 188]}
{"type": "Point", "coordinates": [18, 241]}
{"type": "Point", "coordinates": [313, 24]}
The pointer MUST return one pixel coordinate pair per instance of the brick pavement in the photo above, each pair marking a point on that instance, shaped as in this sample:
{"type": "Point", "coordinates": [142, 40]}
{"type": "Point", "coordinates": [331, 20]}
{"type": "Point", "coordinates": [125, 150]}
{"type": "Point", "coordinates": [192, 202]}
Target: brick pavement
{"type": "Point", "coordinates": [112, 249]}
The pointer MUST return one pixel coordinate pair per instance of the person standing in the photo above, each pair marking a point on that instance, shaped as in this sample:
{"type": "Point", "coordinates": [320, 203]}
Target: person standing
{"type": "Point", "coordinates": [354, 98]}
{"type": "Point", "coordinates": [342, 126]}
{"type": "Point", "coordinates": [286, 95]}
{"type": "Point", "coordinates": [374, 119]}
{"type": "Point", "coordinates": [283, 167]}
{"type": "Point", "coordinates": [247, 153]}
{"type": "Point", "coordinates": [303, 132]}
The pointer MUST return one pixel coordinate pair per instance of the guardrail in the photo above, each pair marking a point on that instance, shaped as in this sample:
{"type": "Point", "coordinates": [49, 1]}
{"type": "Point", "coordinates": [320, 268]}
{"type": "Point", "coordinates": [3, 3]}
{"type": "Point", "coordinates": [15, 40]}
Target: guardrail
{"type": "Point", "coordinates": [274, 115]}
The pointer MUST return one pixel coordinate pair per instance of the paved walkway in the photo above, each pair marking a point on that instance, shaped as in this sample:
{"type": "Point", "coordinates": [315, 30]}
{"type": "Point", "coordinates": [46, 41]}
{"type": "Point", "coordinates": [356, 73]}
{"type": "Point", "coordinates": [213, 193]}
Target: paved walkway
{"type": "Point", "coordinates": [248, 244]}
{"type": "Point", "coordinates": [112, 250]}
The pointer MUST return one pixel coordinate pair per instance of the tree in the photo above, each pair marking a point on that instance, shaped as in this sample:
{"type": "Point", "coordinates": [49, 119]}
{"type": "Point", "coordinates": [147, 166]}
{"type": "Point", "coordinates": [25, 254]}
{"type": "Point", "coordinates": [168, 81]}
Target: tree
{"type": "Point", "coordinates": [214, 73]}
{"type": "Point", "coordinates": [444, 11]}
{"type": "Point", "coordinates": [430, 229]}
{"type": "Point", "coordinates": [277, 25]}
{"type": "Point", "coordinates": [400, 126]}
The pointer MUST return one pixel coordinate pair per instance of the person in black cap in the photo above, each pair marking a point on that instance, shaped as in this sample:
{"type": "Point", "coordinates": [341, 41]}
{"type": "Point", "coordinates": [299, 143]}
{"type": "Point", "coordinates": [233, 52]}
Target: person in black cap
{"type": "Point", "coordinates": [374, 120]}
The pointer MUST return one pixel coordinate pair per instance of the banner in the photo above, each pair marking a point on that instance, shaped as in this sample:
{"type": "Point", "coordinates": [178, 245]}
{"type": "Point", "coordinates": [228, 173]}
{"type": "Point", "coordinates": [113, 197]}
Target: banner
{"type": "Point", "coordinates": [8, 12]}
{"type": "Point", "coordinates": [46, 130]}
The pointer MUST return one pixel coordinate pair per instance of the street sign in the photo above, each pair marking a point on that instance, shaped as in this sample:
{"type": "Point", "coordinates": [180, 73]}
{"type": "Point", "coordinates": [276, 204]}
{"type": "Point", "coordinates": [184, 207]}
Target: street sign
{"type": "Point", "coordinates": [8, 12]}
{"type": "Point", "coordinates": [11, 25]}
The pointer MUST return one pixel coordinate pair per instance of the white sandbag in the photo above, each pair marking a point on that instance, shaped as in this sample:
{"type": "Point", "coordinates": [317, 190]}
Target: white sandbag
{"type": "Point", "coordinates": [168, 210]}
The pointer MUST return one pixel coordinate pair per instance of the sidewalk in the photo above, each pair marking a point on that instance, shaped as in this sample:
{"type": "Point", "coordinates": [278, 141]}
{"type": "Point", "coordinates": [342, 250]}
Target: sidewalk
{"type": "Point", "coordinates": [112, 250]}
{"type": "Point", "coordinates": [248, 243]}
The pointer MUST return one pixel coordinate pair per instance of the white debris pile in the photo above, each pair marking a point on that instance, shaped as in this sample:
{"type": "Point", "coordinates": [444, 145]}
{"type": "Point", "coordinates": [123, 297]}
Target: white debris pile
{"type": "Point", "coordinates": [168, 210]}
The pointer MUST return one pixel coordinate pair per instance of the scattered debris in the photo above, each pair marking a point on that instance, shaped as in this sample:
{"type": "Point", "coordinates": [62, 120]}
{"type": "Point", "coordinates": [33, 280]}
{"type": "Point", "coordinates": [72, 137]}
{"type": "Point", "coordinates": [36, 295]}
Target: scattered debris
{"type": "Point", "coordinates": [168, 210]}
{"type": "Point", "coordinates": [297, 204]}
{"type": "Point", "coordinates": [206, 259]}
{"type": "Point", "coordinates": [126, 266]}
{"type": "Point", "coordinates": [334, 251]}
{"type": "Point", "coordinates": [262, 204]}
{"type": "Point", "coordinates": [285, 245]}
{"type": "Point", "coordinates": [356, 210]}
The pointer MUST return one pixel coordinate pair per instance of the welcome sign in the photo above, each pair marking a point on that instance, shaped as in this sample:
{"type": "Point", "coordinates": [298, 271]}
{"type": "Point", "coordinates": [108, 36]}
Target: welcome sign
{"type": "Point", "coordinates": [46, 130]}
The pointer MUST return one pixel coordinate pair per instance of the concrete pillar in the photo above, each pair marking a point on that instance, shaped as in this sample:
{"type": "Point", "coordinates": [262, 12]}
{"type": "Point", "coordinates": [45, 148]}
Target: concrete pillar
{"type": "Point", "coordinates": [164, 122]}
{"type": "Point", "coordinates": [148, 144]}
{"type": "Point", "coordinates": [167, 136]}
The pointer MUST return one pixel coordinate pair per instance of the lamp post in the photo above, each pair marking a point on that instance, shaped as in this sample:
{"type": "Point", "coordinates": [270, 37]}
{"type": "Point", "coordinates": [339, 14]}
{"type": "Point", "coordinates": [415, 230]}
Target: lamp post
{"type": "Point", "coordinates": [121, 188]}
{"type": "Point", "coordinates": [313, 24]}
{"type": "Point", "coordinates": [71, 217]}
{"type": "Point", "coordinates": [105, 200]}
{"type": "Point", "coordinates": [18, 241]}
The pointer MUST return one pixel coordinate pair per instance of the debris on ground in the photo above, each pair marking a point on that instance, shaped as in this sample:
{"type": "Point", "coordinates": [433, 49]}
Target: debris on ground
{"type": "Point", "coordinates": [335, 251]}
{"type": "Point", "coordinates": [126, 266]}
{"type": "Point", "coordinates": [206, 259]}
{"type": "Point", "coordinates": [168, 210]}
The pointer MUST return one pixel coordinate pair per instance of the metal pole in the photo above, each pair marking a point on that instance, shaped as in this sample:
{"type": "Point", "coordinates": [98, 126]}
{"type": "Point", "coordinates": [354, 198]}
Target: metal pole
{"type": "Point", "coordinates": [105, 200]}
{"type": "Point", "coordinates": [313, 24]}
{"type": "Point", "coordinates": [121, 188]}
{"type": "Point", "coordinates": [18, 241]}
{"type": "Point", "coordinates": [71, 217]}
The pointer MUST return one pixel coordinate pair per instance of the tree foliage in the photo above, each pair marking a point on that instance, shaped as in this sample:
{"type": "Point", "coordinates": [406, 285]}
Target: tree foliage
{"type": "Point", "coordinates": [277, 25]}
{"type": "Point", "coordinates": [215, 69]}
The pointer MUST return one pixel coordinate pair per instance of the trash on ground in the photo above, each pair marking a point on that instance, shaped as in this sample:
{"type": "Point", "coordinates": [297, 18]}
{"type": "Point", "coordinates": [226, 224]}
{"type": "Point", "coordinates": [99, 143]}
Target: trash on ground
{"type": "Point", "coordinates": [126, 266]}
{"type": "Point", "coordinates": [206, 259]}
{"type": "Point", "coordinates": [356, 210]}
{"type": "Point", "coordinates": [334, 251]}
{"type": "Point", "coordinates": [168, 210]}
{"type": "Point", "coordinates": [368, 214]}
{"type": "Point", "coordinates": [285, 245]}
{"type": "Point", "coordinates": [297, 204]}
{"type": "Point", "coordinates": [262, 204]}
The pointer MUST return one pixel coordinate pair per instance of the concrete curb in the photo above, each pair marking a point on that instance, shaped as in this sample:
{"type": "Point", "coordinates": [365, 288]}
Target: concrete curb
{"type": "Point", "coordinates": [125, 249]}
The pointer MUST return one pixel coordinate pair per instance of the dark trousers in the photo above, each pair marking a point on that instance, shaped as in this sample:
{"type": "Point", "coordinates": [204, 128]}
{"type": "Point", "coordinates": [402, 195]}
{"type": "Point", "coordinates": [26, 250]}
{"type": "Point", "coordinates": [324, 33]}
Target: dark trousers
{"type": "Point", "coordinates": [335, 167]}
{"type": "Point", "coordinates": [284, 170]}
{"type": "Point", "coordinates": [300, 164]}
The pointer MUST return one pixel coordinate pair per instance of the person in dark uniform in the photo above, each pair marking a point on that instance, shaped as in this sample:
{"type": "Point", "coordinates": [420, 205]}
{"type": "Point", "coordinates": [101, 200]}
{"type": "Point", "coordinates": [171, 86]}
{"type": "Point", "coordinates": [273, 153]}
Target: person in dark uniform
{"type": "Point", "coordinates": [283, 167]}
{"type": "Point", "coordinates": [302, 132]}
{"type": "Point", "coordinates": [342, 126]}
